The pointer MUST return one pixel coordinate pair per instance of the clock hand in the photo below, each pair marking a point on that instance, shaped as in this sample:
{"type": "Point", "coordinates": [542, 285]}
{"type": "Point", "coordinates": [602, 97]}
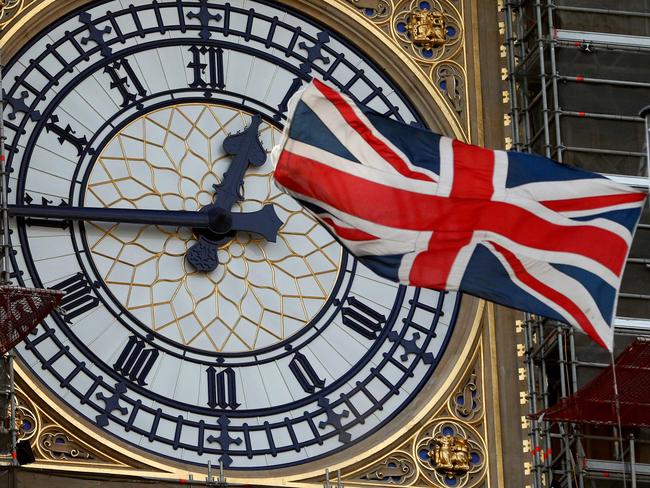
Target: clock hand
{"type": "Point", "coordinates": [245, 148]}
{"type": "Point", "coordinates": [218, 221]}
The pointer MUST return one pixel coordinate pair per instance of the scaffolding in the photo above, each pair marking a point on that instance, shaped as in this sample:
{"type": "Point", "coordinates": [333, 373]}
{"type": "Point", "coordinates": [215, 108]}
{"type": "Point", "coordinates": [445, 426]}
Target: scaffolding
{"type": "Point", "coordinates": [577, 78]}
{"type": "Point", "coordinates": [7, 386]}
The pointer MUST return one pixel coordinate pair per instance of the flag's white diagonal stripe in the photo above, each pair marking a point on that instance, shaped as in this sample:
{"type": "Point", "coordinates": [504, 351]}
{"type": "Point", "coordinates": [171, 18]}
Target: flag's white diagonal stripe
{"type": "Point", "coordinates": [370, 173]}
{"type": "Point", "coordinates": [564, 284]}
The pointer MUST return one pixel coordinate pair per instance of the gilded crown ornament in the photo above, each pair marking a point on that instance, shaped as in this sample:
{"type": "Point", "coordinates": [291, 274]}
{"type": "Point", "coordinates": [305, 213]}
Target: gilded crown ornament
{"type": "Point", "coordinates": [450, 455]}
{"type": "Point", "coordinates": [427, 28]}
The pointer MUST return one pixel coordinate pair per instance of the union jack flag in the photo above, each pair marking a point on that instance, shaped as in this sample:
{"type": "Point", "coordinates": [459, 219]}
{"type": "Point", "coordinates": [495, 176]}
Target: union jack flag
{"type": "Point", "coordinates": [425, 210]}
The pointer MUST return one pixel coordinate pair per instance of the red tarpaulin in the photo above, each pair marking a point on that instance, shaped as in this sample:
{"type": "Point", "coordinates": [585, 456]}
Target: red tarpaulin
{"type": "Point", "coordinates": [21, 310]}
{"type": "Point", "coordinates": [595, 402]}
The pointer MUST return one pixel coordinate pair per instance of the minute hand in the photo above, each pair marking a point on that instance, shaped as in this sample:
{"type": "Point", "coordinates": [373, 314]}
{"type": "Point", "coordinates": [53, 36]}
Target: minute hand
{"type": "Point", "coordinates": [215, 219]}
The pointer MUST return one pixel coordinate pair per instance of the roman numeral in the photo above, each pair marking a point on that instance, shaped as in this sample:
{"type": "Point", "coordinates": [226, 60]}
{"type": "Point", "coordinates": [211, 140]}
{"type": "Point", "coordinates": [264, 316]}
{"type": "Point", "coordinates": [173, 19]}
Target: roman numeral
{"type": "Point", "coordinates": [222, 388]}
{"type": "Point", "coordinates": [212, 67]}
{"type": "Point", "coordinates": [78, 298]}
{"type": "Point", "coordinates": [66, 134]}
{"type": "Point", "coordinates": [52, 223]}
{"type": "Point", "coordinates": [314, 53]}
{"type": "Point", "coordinates": [305, 373]}
{"type": "Point", "coordinates": [362, 319]}
{"type": "Point", "coordinates": [125, 84]}
{"type": "Point", "coordinates": [136, 361]}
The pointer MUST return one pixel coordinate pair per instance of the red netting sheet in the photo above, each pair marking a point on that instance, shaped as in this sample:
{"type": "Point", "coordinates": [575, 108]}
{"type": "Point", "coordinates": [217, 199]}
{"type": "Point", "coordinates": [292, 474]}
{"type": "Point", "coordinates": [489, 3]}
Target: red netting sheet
{"type": "Point", "coordinates": [595, 402]}
{"type": "Point", "coordinates": [21, 310]}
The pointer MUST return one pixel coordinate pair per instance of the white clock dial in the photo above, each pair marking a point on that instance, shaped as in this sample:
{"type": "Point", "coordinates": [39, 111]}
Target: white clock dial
{"type": "Point", "coordinates": [284, 352]}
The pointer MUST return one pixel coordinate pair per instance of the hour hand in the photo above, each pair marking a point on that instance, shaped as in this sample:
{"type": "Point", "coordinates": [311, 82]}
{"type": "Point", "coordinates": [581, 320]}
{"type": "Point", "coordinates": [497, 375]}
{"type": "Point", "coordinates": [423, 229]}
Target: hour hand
{"type": "Point", "coordinates": [245, 149]}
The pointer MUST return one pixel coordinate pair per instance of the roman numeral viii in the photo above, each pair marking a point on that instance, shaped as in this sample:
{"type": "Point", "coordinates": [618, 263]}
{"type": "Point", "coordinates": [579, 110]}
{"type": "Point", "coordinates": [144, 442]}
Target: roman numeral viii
{"type": "Point", "coordinates": [78, 299]}
{"type": "Point", "coordinates": [136, 360]}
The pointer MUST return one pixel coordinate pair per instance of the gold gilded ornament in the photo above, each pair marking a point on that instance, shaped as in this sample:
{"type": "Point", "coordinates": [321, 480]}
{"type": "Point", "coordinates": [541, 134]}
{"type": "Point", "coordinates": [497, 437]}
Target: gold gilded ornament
{"type": "Point", "coordinates": [450, 455]}
{"type": "Point", "coordinates": [9, 9]}
{"type": "Point", "coordinates": [426, 28]}
{"type": "Point", "coordinates": [380, 7]}
{"type": "Point", "coordinates": [58, 445]}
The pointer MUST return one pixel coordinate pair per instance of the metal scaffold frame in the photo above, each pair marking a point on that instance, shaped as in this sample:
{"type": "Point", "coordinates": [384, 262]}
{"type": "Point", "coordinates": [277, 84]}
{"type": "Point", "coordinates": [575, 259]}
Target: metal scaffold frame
{"type": "Point", "coordinates": [552, 366]}
{"type": "Point", "coordinates": [7, 385]}
{"type": "Point", "coordinates": [559, 448]}
{"type": "Point", "coordinates": [532, 39]}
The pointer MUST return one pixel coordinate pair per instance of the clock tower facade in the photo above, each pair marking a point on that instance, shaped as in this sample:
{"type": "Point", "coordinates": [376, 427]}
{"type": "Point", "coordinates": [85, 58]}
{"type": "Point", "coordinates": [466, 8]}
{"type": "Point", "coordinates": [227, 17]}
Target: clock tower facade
{"type": "Point", "coordinates": [262, 351]}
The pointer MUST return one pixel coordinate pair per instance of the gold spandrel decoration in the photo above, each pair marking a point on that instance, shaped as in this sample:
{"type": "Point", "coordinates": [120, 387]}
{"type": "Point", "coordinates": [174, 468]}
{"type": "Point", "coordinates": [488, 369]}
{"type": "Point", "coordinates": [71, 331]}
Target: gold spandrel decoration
{"type": "Point", "coordinates": [450, 455]}
{"type": "Point", "coordinates": [375, 9]}
{"type": "Point", "coordinates": [10, 9]}
{"type": "Point", "coordinates": [58, 445]}
{"type": "Point", "coordinates": [398, 469]}
{"type": "Point", "coordinates": [450, 78]}
{"type": "Point", "coordinates": [26, 423]}
{"type": "Point", "coordinates": [431, 33]}
{"type": "Point", "coordinates": [261, 293]}
{"type": "Point", "coordinates": [427, 29]}
{"type": "Point", "coordinates": [27, 420]}
{"type": "Point", "coordinates": [466, 403]}
{"type": "Point", "coordinates": [449, 449]}
{"type": "Point", "coordinates": [50, 441]}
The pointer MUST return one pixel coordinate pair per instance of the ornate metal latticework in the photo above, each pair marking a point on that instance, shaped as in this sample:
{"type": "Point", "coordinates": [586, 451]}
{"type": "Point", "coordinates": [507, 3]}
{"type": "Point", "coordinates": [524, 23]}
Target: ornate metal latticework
{"type": "Point", "coordinates": [246, 303]}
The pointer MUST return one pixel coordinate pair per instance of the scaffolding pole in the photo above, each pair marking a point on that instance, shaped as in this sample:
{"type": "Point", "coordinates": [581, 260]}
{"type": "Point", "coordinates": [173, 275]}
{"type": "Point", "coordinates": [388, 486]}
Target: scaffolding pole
{"type": "Point", "coordinates": [4, 270]}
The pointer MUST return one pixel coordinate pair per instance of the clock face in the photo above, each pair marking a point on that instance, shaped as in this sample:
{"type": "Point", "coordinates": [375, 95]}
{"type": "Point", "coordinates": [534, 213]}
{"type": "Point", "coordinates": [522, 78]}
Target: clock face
{"type": "Point", "coordinates": [288, 350]}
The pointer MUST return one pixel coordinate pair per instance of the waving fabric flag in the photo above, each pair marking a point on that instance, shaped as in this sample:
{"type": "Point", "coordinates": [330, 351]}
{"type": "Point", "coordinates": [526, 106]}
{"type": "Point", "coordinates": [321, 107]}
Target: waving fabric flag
{"type": "Point", "coordinates": [425, 210]}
